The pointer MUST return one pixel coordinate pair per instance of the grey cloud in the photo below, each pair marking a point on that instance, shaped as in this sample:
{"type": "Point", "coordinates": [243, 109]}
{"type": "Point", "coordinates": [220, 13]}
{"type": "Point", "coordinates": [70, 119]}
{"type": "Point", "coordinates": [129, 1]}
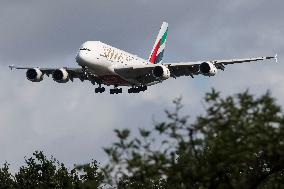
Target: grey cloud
{"type": "Point", "coordinates": [45, 29]}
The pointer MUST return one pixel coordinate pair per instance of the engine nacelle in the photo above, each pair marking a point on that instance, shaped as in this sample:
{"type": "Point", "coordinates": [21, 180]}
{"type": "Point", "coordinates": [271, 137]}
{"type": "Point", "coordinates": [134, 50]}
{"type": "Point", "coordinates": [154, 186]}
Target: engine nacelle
{"type": "Point", "coordinates": [161, 72]}
{"type": "Point", "coordinates": [34, 75]}
{"type": "Point", "coordinates": [60, 76]}
{"type": "Point", "coordinates": [208, 69]}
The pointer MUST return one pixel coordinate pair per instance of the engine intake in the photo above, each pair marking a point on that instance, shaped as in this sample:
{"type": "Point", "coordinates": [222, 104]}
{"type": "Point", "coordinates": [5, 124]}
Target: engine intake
{"type": "Point", "coordinates": [207, 69]}
{"type": "Point", "coordinates": [34, 75]}
{"type": "Point", "coordinates": [60, 76]}
{"type": "Point", "coordinates": [161, 72]}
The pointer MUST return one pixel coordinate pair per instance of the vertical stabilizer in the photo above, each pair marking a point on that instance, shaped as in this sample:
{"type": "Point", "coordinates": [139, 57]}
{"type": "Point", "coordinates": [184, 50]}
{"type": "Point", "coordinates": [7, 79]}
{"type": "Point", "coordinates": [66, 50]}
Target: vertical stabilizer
{"type": "Point", "coordinates": [157, 53]}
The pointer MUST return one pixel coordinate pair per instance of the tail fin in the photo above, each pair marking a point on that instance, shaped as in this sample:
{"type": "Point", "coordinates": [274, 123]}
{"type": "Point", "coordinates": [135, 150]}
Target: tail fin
{"type": "Point", "coordinates": [159, 46]}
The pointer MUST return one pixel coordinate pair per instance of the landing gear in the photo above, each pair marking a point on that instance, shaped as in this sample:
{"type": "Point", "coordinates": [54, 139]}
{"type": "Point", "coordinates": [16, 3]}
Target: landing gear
{"type": "Point", "coordinates": [137, 89]}
{"type": "Point", "coordinates": [100, 90]}
{"type": "Point", "coordinates": [131, 90]}
{"type": "Point", "coordinates": [144, 88]}
{"type": "Point", "coordinates": [115, 91]}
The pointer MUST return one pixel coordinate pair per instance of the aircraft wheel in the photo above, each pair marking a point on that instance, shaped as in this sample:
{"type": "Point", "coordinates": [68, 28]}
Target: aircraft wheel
{"type": "Point", "coordinates": [100, 90]}
{"type": "Point", "coordinates": [115, 91]}
{"type": "Point", "coordinates": [136, 90]}
{"type": "Point", "coordinates": [130, 90]}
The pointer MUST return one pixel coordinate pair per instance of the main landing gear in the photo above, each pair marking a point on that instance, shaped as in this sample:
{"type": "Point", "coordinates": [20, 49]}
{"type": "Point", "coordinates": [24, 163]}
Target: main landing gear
{"type": "Point", "coordinates": [100, 90]}
{"type": "Point", "coordinates": [115, 91]}
{"type": "Point", "coordinates": [137, 89]}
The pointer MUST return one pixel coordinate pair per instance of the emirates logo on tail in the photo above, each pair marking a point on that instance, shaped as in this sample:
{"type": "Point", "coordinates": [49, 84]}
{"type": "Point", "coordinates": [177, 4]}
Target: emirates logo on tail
{"type": "Point", "coordinates": [157, 53]}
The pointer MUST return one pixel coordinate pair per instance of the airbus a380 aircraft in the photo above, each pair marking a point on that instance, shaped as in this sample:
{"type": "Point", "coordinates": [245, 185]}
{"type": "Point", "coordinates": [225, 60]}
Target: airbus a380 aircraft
{"type": "Point", "coordinates": [103, 64]}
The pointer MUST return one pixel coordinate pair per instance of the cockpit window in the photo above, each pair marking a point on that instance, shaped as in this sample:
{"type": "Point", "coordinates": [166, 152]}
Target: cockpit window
{"type": "Point", "coordinates": [85, 49]}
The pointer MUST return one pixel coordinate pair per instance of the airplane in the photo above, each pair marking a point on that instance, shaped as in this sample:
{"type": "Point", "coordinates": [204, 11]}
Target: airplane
{"type": "Point", "coordinates": [102, 64]}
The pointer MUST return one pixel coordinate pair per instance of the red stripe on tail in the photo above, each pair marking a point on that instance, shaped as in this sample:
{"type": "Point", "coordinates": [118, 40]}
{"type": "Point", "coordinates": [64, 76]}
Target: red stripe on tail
{"type": "Point", "coordinates": [154, 54]}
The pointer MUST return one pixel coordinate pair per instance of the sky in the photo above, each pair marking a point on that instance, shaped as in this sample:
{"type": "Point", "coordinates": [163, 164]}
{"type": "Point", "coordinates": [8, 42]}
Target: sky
{"type": "Point", "coordinates": [70, 121]}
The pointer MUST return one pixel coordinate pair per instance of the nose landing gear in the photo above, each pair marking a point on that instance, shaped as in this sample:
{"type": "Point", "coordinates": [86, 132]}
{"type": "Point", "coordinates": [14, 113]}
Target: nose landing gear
{"type": "Point", "coordinates": [137, 89]}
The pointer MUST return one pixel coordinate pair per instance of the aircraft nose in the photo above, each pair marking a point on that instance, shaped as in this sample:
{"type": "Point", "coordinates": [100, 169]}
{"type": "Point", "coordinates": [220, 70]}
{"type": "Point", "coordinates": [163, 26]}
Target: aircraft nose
{"type": "Point", "coordinates": [78, 58]}
{"type": "Point", "coordinates": [83, 57]}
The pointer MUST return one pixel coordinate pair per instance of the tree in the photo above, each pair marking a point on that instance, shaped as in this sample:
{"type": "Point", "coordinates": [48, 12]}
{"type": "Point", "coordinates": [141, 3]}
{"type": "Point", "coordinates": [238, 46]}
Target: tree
{"type": "Point", "coordinates": [41, 172]}
{"type": "Point", "coordinates": [237, 143]}
{"type": "Point", "coordinates": [6, 178]}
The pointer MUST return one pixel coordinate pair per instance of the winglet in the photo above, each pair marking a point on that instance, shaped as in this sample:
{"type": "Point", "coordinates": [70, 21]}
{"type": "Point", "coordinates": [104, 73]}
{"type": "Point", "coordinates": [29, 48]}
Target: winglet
{"type": "Point", "coordinates": [276, 57]}
{"type": "Point", "coordinates": [11, 67]}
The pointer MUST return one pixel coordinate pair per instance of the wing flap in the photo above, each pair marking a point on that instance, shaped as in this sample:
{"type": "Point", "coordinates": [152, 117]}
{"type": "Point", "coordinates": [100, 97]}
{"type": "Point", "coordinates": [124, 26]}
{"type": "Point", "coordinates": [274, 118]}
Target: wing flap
{"type": "Point", "coordinates": [233, 61]}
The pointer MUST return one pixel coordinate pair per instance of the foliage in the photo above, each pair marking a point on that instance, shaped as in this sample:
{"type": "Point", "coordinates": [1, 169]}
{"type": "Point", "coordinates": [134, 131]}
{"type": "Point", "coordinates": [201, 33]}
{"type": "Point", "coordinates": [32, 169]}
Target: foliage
{"type": "Point", "coordinates": [237, 143]}
{"type": "Point", "coordinates": [40, 173]}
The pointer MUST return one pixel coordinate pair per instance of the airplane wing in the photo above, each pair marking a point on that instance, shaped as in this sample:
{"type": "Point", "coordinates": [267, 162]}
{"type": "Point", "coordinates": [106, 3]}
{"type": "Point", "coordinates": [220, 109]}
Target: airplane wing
{"type": "Point", "coordinates": [47, 71]}
{"type": "Point", "coordinates": [192, 68]}
{"type": "Point", "coordinates": [144, 74]}
{"type": "Point", "coordinates": [72, 72]}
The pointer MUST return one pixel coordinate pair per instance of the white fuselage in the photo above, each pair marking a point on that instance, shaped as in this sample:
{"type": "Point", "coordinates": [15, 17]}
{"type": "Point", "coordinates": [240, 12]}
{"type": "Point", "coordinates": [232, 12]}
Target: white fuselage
{"type": "Point", "coordinates": [101, 60]}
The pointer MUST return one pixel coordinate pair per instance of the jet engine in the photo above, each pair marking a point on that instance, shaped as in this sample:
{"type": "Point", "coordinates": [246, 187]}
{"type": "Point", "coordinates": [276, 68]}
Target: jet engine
{"type": "Point", "coordinates": [207, 69]}
{"type": "Point", "coordinates": [60, 76]}
{"type": "Point", "coordinates": [34, 75]}
{"type": "Point", "coordinates": [161, 72]}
